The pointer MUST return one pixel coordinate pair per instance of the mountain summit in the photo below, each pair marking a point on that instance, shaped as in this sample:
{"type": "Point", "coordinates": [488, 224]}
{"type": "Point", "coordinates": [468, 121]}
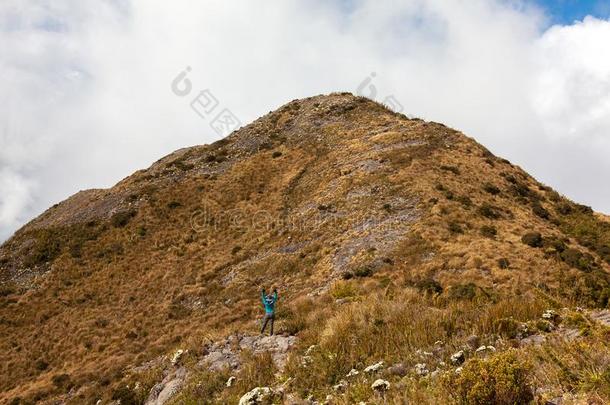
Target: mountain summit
{"type": "Point", "coordinates": [388, 238]}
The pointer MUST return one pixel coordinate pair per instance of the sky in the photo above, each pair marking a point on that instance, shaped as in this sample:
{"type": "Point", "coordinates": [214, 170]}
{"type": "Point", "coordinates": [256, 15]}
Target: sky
{"type": "Point", "coordinates": [93, 90]}
{"type": "Point", "coordinates": [568, 11]}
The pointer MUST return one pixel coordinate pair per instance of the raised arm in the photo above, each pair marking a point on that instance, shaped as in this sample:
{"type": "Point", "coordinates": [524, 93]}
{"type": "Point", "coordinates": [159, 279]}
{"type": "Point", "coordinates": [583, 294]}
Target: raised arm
{"type": "Point", "coordinates": [263, 296]}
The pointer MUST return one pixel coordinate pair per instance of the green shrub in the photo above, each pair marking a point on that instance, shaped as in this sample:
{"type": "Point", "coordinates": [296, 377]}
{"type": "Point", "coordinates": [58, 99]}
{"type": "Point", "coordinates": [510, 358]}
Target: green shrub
{"type": "Point", "coordinates": [364, 271]}
{"type": "Point", "coordinates": [463, 291]}
{"type": "Point", "coordinates": [182, 165]}
{"type": "Point", "coordinates": [122, 218]}
{"type": "Point", "coordinates": [489, 211]}
{"type": "Point", "coordinates": [589, 231]}
{"type": "Point", "coordinates": [125, 395]}
{"type": "Point", "coordinates": [491, 189]}
{"type": "Point", "coordinates": [519, 189]}
{"type": "Point", "coordinates": [489, 231]}
{"type": "Point", "coordinates": [564, 208]}
{"type": "Point", "coordinates": [46, 247]}
{"type": "Point", "coordinates": [540, 211]}
{"type": "Point", "coordinates": [429, 286]}
{"type": "Point", "coordinates": [455, 227]}
{"type": "Point", "coordinates": [501, 380]}
{"type": "Point", "coordinates": [451, 169]}
{"type": "Point", "coordinates": [62, 381]}
{"type": "Point", "coordinates": [579, 260]}
{"type": "Point", "coordinates": [507, 327]}
{"type": "Point", "coordinates": [533, 239]}
{"type": "Point", "coordinates": [556, 244]}
{"type": "Point", "coordinates": [503, 263]}
{"type": "Point", "coordinates": [41, 365]}
{"type": "Point", "coordinates": [464, 200]}
{"type": "Point", "coordinates": [343, 289]}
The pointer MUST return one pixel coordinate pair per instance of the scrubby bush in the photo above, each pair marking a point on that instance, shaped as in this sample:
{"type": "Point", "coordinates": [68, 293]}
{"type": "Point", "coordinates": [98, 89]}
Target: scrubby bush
{"type": "Point", "coordinates": [502, 380]}
{"type": "Point", "coordinates": [579, 260]}
{"type": "Point", "coordinates": [451, 169]}
{"type": "Point", "coordinates": [343, 289]}
{"type": "Point", "coordinates": [489, 211]}
{"type": "Point", "coordinates": [503, 263]}
{"type": "Point", "coordinates": [463, 291]}
{"type": "Point", "coordinates": [533, 239]}
{"type": "Point", "coordinates": [519, 189]}
{"type": "Point", "coordinates": [540, 211]}
{"type": "Point", "coordinates": [122, 218]}
{"type": "Point", "coordinates": [491, 189]}
{"type": "Point", "coordinates": [507, 327]}
{"type": "Point", "coordinates": [455, 227]}
{"type": "Point", "coordinates": [564, 208]}
{"type": "Point", "coordinates": [125, 395]}
{"type": "Point", "coordinates": [429, 286]}
{"type": "Point", "coordinates": [46, 247]}
{"type": "Point", "coordinates": [556, 244]}
{"type": "Point", "coordinates": [182, 165]}
{"type": "Point", "coordinates": [489, 231]}
{"type": "Point", "coordinates": [364, 271]}
{"type": "Point", "coordinates": [464, 200]}
{"type": "Point", "coordinates": [62, 381]}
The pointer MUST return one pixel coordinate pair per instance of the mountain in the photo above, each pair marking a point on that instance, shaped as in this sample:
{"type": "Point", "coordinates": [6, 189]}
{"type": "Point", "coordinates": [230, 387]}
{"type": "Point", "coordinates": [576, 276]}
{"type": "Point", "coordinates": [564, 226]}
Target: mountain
{"type": "Point", "coordinates": [390, 239]}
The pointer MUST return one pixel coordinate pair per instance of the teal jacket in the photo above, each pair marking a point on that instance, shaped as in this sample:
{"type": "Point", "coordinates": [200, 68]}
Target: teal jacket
{"type": "Point", "coordinates": [269, 301]}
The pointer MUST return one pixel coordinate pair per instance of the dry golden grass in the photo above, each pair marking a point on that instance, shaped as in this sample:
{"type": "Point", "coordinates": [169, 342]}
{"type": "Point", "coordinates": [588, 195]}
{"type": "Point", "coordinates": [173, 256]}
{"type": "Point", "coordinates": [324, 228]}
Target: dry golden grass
{"type": "Point", "coordinates": [362, 205]}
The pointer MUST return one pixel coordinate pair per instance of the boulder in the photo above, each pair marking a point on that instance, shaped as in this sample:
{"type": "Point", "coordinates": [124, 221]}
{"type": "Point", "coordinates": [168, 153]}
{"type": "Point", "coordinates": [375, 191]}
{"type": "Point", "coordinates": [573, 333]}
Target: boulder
{"type": "Point", "coordinates": [352, 373]}
{"type": "Point", "coordinates": [458, 357]}
{"type": "Point", "coordinates": [380, 385]}
{"type": "Point", "coordinates": [421, 369]}
{"type": "Point", "coordinates": [398, 369]}
{"type": "Point", "coordinates": [162, 392]}
{"type": "Point", "coordinates": [373, 368]}
{"type": "Point", "coordinates": [260, 395]}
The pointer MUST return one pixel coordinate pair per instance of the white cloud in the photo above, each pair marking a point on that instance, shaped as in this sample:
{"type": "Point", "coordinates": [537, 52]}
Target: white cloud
{"type": "Point", "coordinates": [86, 84]}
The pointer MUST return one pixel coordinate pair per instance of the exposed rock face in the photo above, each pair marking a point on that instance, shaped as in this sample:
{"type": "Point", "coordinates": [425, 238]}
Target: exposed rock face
{"type": "Point", "coordinates": [162, 392]}
{"type": "Point", "coordinates": [226, 353]}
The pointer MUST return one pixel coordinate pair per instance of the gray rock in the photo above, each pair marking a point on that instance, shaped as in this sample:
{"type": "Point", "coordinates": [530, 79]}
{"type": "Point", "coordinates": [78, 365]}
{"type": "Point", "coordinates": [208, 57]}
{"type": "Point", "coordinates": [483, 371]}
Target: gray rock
{"type": "Point", "coordinates": [373, 368]}
{"type": "Point", "coordinates": [398, 369]}
{"type": "Point", "coordinates": [380, 385]}
{"type": "Point", "coordinates": [473, 341]}
{"type": "Point", "coordinates": [226, 354]}
{"type": "Point", "coordinates": [421, 369]}
{"type": "Point", "coordinates": [260, 395]}
{"type": "Point", "coordinates": [166, 389]}
{"type": "Point", "coordinates": [458, 357]}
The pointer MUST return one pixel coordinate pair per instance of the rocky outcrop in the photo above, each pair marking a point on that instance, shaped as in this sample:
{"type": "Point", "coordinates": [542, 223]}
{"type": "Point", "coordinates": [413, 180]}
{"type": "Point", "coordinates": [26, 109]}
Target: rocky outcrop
{"type": "Point", "coordinates": [162, 392]}
{"type": "Point", "coordinates": [226, 353]}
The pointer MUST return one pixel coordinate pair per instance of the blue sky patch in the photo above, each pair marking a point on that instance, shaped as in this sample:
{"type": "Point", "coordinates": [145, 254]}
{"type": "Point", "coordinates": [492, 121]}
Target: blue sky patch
{"type": "Point", "coordinates": [567, 11]}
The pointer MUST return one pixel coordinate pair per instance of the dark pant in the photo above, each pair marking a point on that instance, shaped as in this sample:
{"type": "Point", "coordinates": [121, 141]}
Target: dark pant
{"type": "Point", "coordinates": [266, 319]}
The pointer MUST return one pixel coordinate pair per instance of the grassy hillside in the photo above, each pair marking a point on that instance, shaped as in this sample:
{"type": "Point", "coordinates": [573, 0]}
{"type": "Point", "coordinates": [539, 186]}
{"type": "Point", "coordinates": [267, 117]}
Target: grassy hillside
{"type": "Point", "coordinates": [385, 235]}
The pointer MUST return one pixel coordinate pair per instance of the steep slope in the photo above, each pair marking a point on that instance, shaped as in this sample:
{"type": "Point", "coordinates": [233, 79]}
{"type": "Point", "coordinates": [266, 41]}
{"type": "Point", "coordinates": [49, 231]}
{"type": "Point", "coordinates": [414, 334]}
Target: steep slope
{"type": "Point", "coordinates": [333, 197]}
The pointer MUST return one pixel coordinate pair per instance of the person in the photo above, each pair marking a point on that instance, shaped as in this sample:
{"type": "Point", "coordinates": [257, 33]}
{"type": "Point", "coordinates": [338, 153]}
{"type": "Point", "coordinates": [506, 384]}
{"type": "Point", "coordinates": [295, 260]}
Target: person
{"type": "Point", "coordinates": [269, 303]}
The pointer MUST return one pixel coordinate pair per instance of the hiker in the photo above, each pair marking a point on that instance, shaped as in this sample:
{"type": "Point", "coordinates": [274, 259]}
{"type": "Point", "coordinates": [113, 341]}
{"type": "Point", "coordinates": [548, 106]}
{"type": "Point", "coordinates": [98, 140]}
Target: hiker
{"type": "Point", "coordinates": [269, 303]}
